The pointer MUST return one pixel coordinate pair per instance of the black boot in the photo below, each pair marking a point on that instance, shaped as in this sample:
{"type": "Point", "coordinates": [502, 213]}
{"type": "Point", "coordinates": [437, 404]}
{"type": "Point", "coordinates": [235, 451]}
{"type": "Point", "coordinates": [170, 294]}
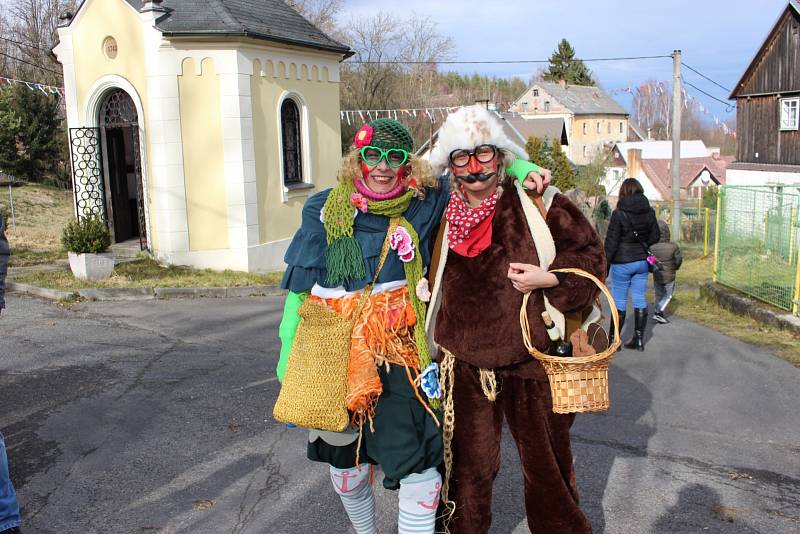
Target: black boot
{"type": "Point", "coordinates": [638, 333]}
{"type": "Point", "coordinates": [611, 327]}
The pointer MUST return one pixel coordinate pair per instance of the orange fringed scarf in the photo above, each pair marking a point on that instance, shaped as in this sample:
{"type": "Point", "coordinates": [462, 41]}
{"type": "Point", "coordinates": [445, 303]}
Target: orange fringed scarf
{"type": "Point", "coordinates": [383, 334]}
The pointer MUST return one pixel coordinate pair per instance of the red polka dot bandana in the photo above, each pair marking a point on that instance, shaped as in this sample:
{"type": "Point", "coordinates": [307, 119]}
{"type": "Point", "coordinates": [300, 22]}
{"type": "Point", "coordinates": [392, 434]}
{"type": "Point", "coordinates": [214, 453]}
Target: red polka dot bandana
{"type": "Point", "coordinates": [470, 229]}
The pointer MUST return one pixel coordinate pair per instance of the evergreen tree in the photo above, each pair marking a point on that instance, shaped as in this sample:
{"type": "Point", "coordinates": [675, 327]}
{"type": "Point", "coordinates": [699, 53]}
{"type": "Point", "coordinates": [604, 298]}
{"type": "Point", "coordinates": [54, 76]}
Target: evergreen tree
{"type": "Point", "coordinates": [29, 140]}
{"type": "Point", "coordinates": [563, 173]}
{"type": "Point", "coordinates": [539, 152]}
{"type": "Point", "coordinates": [589, 178]}
{"type": "Point", "coordinates": [534, 149]}
{"type": "Point", "coordinates": [564, 66]}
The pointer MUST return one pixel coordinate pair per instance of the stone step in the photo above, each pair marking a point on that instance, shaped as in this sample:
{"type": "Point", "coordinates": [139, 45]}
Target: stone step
{"type": "Point", "coordinates": [127, 251]}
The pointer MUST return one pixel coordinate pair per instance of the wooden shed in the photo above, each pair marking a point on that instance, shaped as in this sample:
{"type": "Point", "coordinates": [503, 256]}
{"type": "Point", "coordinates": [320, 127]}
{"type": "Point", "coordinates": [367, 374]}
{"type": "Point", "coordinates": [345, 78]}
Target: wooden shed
{"type": "Point", "coordinates": [768, 108]}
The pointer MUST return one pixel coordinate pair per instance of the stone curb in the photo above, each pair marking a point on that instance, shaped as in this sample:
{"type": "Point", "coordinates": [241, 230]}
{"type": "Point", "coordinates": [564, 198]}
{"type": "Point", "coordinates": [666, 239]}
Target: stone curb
{"type": "Point", "coordinates": [745, 306]}
{"type": "Point", "coordinates": [118, 293]}
{"type": "Point", "coordinates": [189, 292]}
{"type": "Point", "coordinates": [44, 292]}
{"type": "Point", "coordinates": [146, 293]}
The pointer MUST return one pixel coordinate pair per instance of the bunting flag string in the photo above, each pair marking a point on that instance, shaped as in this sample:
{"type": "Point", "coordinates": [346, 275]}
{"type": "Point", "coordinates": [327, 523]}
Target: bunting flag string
{"type": "Point", "coordinates": [33, 86]}
{"type": "Point", "coordinates": [433, 114]}
{"type": "Point", "coordinates": [661, 88]}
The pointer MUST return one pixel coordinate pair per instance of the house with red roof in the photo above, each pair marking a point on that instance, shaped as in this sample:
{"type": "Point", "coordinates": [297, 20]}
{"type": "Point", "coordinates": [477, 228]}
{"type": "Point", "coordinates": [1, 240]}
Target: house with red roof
{"type": "Point", "coordinates": [650, 162]}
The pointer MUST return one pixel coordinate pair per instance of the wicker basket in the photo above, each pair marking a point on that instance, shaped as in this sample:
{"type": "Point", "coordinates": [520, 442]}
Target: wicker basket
{"type": "Point", "coordinates": [577, 384]}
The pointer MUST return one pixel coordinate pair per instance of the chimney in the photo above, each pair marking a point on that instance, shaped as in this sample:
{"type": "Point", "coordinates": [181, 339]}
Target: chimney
{"type": "Point", "coordinates": [634, 162]}
{"type": "Point", "coordinates": [152, 5]}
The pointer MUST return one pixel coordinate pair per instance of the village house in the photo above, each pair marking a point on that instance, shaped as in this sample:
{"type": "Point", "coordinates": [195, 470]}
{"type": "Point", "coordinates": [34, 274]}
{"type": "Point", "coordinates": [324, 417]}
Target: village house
{"type": "Point", "coordinates": [650, 162]}
{"type": "Point", "coordinates": [768, 108]}
{"type": "Point", "coordinates": [594, 121]}
{"type": "Point", "coordinates": [199, 128]}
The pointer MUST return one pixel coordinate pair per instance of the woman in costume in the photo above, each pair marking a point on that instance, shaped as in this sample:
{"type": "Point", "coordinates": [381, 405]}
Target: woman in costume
{"type": "Point", "coordinates": [499, 244]}
{"type": "Point", "coordinates": [385, 198]}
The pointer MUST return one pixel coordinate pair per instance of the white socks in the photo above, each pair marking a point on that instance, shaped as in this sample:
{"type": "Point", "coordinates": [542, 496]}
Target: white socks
{"type": "Point", "coordinates": [419, 500]}
{"type": "Point", "coordinates": [357, 496]}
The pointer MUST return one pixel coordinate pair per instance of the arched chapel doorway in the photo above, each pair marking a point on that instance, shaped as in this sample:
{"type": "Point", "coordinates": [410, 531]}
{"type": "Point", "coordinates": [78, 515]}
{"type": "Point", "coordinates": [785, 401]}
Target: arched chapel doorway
{"type": "Point", "coordinates": [122, 169]}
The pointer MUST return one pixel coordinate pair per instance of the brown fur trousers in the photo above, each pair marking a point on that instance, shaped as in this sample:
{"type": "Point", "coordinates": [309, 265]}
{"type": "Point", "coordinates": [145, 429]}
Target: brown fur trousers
{"type": "Point", "coordinates": [542, 438]}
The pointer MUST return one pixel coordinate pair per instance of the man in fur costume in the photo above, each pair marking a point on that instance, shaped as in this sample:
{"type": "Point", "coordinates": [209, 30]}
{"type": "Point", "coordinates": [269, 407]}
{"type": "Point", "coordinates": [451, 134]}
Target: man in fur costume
{"type": "Point", "coordinates": [387, 204]}
{"type": "Point", "coordinates": [496, 246]}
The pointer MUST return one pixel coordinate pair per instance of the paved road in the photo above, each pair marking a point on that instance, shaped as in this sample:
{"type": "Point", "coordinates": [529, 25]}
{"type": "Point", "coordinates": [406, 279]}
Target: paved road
{"type": "Point", "coordinates": [154, 417]}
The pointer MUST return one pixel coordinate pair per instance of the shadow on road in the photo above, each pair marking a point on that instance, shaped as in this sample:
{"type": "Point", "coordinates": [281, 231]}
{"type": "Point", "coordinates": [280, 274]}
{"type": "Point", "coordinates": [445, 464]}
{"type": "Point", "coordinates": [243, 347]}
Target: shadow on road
{"type": "Point", "coordinates": [698, 503]}
{"type": "Point", "coordinates": [599, 439]}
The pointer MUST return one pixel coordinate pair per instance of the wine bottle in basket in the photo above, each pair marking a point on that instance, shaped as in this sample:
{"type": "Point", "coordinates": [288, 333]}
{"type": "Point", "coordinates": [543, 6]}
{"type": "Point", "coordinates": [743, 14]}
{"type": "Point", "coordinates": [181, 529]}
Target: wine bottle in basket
{"type": "Point", "coordinates": [558, 347]}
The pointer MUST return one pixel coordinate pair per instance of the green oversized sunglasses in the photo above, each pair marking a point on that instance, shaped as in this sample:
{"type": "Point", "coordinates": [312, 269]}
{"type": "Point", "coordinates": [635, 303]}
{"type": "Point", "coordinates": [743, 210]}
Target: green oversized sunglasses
{"type": "Point", "coordinates": [395, 157]}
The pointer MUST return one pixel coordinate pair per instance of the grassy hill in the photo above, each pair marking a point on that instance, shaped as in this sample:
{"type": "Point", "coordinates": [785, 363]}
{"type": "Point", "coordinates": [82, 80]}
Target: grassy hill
{"type": "Point", "coordinates": [40, 213]}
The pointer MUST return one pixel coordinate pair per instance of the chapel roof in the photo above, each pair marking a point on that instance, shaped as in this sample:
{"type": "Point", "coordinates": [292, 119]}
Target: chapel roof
{"type": "Point", "coordinates": [270, 20]}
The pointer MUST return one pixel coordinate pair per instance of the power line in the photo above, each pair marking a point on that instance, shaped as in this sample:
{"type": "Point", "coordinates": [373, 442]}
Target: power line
{"type": "Point", "coordinates": [706, 77]}
{"type": "Point", "coordinates": [24, 44]}
{"type": "Point", "coordinates": [398, 62]}
{"type": "Point", "coordinates": [728, 105]}
{"type": "Point", "coordinates": [29, 63]}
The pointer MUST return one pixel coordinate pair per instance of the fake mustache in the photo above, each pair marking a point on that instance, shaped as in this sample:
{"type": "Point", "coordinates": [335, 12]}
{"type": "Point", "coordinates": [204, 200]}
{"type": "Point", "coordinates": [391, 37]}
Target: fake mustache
{"type": "Point", "coordinates": [480, 177]}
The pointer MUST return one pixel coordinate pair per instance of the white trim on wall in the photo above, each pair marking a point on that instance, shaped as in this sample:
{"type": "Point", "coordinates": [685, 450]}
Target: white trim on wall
{"type": "Point", "coordinates": [305, 143]}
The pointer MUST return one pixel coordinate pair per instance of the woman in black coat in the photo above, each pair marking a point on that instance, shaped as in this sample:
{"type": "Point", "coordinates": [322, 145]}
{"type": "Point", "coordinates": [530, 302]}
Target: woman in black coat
{"type": "Point", "coordinates": [628, 255]}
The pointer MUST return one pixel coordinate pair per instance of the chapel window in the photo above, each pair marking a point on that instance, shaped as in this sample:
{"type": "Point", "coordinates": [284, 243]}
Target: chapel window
{"type": "Point", "coordinates": [292, 149]}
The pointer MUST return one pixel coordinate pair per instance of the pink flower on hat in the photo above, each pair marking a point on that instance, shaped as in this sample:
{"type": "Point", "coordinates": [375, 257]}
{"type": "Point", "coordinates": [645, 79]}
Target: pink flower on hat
{"type": "Point", "coordinates": [401, 241]}
{"type": "Point", "coordinates": [363, 136]}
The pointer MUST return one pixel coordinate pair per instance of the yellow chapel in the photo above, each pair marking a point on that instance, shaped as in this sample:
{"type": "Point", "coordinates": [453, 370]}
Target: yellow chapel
{"type": "Point", "coordinates": [198, 128]}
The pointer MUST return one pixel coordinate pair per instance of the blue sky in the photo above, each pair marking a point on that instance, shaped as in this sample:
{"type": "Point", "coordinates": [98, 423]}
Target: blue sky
{"type": "Point", "coordinates": [718, 38]}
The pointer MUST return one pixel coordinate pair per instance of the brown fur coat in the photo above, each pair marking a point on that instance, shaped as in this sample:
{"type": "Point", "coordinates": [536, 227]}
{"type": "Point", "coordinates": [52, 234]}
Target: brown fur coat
{"type": "Point", "coordinates": [478, 320]}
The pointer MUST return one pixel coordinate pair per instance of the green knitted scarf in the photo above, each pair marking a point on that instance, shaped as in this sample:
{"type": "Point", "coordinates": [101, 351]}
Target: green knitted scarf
{"type": "Point", "coordinates": [345, 260]}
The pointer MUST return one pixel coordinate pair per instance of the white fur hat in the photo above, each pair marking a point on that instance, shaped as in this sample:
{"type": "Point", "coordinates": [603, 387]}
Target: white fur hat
{"type": "Point", "coordinates": [467, 128]}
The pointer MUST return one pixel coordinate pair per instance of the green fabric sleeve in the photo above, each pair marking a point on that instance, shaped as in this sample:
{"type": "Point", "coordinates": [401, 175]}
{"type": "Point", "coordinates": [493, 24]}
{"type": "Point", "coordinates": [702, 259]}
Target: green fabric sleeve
{"type": "Point", "coordinates": [521, 168]}
{"type": "Point", "coordinates": [288, 328]}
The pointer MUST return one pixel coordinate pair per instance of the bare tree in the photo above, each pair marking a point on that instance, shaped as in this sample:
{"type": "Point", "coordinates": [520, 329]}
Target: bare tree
{"type": "Point", "coordinates": [652, 103]}
{"type": "Point", "coordinates": [321, 13]}
{"type": "Point", "coordinates": [7, 65]}
{"type": "Point", "coordinates": [395, 65]}
{"type": "Point", "coordinates": [31, 34]}
{"type": "Point", "coordinates": [368, 83]}
{"type": "Point", "coordinates": [652, 110]}
{"type": "Point", "coordinates": [423, 47]}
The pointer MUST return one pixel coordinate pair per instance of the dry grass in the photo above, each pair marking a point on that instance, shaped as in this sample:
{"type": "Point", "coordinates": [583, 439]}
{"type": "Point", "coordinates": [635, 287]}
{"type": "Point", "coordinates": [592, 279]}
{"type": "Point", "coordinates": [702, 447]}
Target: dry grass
{"type": "Point", "coordinates": [148, 273]}
{"type": "Point", "coordinates": [40, 213]}
{"type": "Point", "coordinates": [688, 303]}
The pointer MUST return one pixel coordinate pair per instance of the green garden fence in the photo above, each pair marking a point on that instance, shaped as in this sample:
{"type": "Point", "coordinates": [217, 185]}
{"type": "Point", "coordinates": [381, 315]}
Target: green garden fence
{"type": "Point", "coordinates": [757, 243]}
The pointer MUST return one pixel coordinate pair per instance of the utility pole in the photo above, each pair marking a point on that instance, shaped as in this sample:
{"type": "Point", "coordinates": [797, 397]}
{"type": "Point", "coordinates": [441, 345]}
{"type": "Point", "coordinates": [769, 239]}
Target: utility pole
{"type": "Point", "coordinates": [677, 108]}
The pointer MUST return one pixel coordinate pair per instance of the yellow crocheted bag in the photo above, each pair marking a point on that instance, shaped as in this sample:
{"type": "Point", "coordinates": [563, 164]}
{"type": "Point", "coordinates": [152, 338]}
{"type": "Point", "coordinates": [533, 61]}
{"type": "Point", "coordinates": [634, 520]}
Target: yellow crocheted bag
{"type": "Point", "coordinates": [315, 386]}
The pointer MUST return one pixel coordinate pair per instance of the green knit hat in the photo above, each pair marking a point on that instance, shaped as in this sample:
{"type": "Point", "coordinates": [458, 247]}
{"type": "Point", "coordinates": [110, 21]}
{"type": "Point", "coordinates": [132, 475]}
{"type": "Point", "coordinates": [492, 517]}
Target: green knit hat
{"type": "Point", "coordinates": [385, 134]}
